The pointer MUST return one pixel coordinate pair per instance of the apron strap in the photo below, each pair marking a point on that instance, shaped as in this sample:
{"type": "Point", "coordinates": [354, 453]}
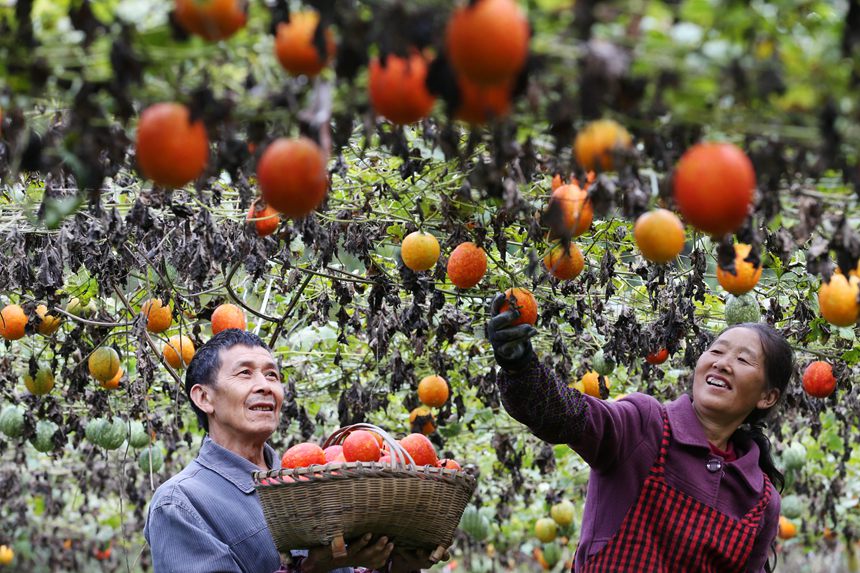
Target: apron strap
{"type": "Point", "coordinates": [658, 469]}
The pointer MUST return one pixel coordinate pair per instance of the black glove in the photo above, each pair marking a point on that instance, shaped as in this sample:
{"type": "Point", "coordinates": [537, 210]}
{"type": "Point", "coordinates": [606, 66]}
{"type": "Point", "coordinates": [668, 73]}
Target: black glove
{"type": "Point", "coordinates": [511, 344]}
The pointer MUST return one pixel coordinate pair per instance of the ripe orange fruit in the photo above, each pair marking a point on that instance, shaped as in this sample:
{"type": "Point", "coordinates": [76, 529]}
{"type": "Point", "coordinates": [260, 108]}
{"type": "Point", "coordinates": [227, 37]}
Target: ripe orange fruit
{"type": "Point", "coordinates": [818, 379]}
{"type": "Point", "coordinates": [294, 44]}
{"type": "Point", "coordinates": [433, 391]}
{"type": "Point", "coordinates": [787, 529]}
{"type": "Point", "coordinates": [589, 384]}
{"type": "Point", "coordinates": [158, 318]}
{"type": "Point", "coordinates": [361, 446]}
{"type": "Point", "coordinates": [480, 104]}
{"type": "Point", "coordinates": [658, 357]}
{"type": "Point", "coordinates": [103, 363]}
{"type": "Point", "coordinates": [398, 91]}
{"type": "Point", "coordinates": [488, 41]}
{"type": "Point", "coordinates": [659, 235]}
{"type": "Point", "coordinates": [292, 176]}
{"type": "Point", "coordinates": [41, 384]}
{"type": "Point", "coordinates": [747, 275]}
{"type": "Point", "coordinates": [421, 419]}
{"type": "Point", "coordinates": [525, 303]}
{"type": "Point", "coordinates": [12, 322]}
{"type": "Point", "coordinates": [419, 251]}
{"type": "Point", "coordinates": [211, 19]}
{"type": "Point", "coordinates": [837, 299]}
{"type": "Point", "coordinates": [421, 450]}
{"type": "Point", "coordinates": [113, 383]}
{"type": "Point", "coordinates": [564, 264]}
{"type": "Point", "coordinates": [569, 213]}
{"type": "Point", "coordinates": [467, 265]}
{"type": "Point", "coordinates": [227, 316]}
{"type": "Point", "coordinates": [178, 351]}
{"type": "Point", "coordinates": [303, 455]}
{"type": "Point", "coordinates": [171, 150]}
{"type": "Point", "coordinates": [596, 143]}
{"type": "Point", "coordinates": [448, 464]}
{"type": "Point", "coordinates": [266, 220]}
{"type": "Point", "coordinates": [713, 187]}
{"type": "Point", "coordinates": [49, 323]}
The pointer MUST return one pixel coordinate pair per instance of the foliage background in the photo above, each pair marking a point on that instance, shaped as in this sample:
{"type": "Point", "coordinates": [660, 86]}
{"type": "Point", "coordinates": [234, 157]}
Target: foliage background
{"type": "Point", "coordinates": [355, 330]}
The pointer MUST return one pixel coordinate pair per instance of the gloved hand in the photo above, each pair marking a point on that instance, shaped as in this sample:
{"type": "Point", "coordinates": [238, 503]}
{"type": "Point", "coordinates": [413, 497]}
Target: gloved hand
{"type": "Point", "coordinates": [511, 344]}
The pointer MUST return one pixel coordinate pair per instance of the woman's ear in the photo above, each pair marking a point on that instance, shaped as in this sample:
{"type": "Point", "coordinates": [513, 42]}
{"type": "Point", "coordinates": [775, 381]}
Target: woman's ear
{"type": "Point", "coordinates": [201, 395]}
{"type": "Point", "coordinates": [768, 399]}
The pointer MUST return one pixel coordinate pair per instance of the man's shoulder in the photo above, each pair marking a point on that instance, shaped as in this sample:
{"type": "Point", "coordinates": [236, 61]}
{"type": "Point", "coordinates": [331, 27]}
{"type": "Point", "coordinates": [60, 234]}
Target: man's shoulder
{"type": "Point", "coordinates": [175, 491]}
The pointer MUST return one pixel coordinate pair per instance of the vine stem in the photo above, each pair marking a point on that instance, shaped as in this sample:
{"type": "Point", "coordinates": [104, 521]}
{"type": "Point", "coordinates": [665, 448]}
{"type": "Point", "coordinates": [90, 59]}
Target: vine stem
{"type": "Point", "coordinates": [239, 301]}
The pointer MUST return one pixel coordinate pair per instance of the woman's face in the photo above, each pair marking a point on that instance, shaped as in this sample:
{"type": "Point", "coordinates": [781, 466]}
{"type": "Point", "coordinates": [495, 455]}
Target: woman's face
{"type": "Point", "coordinates": [729, 381]}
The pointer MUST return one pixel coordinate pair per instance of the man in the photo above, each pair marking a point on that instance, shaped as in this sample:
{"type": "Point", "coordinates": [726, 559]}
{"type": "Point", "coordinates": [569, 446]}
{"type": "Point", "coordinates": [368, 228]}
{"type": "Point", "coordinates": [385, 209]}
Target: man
{"type": "Point", "coordinates": [208, 517]}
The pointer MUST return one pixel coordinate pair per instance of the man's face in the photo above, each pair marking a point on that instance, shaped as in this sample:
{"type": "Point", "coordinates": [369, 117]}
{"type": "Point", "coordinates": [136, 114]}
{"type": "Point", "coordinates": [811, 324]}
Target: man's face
{"type": "Point", "coordinates": [247, 395]}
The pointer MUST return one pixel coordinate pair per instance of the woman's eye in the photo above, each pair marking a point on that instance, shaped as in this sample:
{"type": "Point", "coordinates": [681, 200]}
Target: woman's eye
{"type": "Point", "coordinates": [715, 351]}
{"type": "Point", "coordinates": [744, 360]}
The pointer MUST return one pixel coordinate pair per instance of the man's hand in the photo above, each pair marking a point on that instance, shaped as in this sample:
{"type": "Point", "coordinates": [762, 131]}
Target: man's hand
{"type": "Point", "coordinates": [404, 561]}
{"type": "Point", "coordinates": [511, 344]}
{"type": "Point", "coordinates": [359, 553]}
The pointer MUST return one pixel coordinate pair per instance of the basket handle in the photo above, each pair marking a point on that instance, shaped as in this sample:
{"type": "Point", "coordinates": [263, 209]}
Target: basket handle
{"type": "Point", "coordinates": [397, 453]}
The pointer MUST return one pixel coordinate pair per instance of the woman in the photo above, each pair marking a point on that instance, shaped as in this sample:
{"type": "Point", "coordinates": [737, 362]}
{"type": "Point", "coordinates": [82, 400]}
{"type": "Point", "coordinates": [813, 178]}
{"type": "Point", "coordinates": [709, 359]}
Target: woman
{"type": "Point", "coordinates": [684, 486]}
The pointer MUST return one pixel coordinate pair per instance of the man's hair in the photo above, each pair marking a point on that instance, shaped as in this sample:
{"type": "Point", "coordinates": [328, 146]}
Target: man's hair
{"type": "Point", "coordinates": [207, 361]}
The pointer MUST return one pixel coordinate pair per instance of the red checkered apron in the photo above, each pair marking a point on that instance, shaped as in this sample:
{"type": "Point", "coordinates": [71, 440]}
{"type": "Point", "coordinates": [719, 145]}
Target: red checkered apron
{"type": "Point", "coordinates": [668, 531]}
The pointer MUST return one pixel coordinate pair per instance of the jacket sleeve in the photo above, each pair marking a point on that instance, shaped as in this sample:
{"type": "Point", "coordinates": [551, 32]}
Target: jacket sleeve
{"type": "Point", "coordinates": [766, 535]}
{"type": "Point", "coordinates": [182, 543]}
{"type": "Point", "coordinates": [602, 432]}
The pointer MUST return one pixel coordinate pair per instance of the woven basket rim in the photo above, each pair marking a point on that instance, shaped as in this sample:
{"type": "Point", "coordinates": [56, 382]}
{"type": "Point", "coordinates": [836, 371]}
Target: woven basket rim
{"type": "Point", "coordinates": [355, 470]}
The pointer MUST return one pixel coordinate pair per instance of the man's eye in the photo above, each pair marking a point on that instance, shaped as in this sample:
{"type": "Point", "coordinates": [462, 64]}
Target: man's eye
{"type": "Point", "coordinates": [244, 372]}
{"type": "Point", "coordinates": [272, 374]}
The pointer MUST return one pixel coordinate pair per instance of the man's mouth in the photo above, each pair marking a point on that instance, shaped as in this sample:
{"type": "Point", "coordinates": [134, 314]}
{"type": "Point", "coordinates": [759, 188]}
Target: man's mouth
{"type": "Point", "coordinates": [717, 381]}
{"type": "Point", "coordinates": [262, 408]}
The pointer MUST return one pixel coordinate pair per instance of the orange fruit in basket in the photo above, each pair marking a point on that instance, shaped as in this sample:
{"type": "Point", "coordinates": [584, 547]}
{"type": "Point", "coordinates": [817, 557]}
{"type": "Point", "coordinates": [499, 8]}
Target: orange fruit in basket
{"type": "Point", "coordinates": [303, 455]}
{"type": "Point", "coordinates": [433, 391]}
{"type": "Point", "coordinates": [361, 446]}
{"type": "Point", "coordinates": [421, 449]}
{"type": "Point", "coordinates": [448, 464]}
{"type": "Point", "coordinates": [333, 452]}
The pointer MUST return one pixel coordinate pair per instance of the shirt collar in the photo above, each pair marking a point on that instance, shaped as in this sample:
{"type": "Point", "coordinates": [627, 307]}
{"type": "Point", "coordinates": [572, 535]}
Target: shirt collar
{"type": "Point", "coordinates": [233, 467]}
{"type": "Point", "coordinates": [687, 430]}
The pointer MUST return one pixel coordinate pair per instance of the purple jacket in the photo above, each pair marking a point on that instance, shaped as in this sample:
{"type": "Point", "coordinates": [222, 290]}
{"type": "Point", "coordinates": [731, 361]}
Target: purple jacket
{"type": "Point", "coordinates": [620, 441]}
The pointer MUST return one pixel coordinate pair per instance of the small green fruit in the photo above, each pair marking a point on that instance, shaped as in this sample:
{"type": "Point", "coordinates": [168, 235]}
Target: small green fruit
{"type": "Point", "coordinates": [741, 309]}
{"type": "Point", "coordinates": [154, 463]}
{"type": "Point", "coordinates": [43, 441]}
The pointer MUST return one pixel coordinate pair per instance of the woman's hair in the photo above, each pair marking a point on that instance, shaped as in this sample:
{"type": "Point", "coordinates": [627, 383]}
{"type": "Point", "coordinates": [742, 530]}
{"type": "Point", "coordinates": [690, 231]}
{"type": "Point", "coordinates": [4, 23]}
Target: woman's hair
{"type": "Point", "coordinates": [778, 369]}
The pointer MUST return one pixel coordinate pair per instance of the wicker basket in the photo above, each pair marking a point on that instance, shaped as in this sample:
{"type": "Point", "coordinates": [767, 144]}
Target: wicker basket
{"type": "Point", "coordinates": [328, 504]}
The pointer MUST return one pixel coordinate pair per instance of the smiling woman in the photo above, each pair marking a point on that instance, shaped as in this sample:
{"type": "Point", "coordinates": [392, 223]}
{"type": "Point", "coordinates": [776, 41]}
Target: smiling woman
{"type": "Point", "coordinates": [676, 481]}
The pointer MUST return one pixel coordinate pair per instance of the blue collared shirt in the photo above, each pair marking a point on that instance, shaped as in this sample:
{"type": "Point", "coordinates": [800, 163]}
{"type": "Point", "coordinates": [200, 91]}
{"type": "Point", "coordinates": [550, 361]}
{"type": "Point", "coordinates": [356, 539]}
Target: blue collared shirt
{"type": "Point", "coordinates": [208, 517]}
